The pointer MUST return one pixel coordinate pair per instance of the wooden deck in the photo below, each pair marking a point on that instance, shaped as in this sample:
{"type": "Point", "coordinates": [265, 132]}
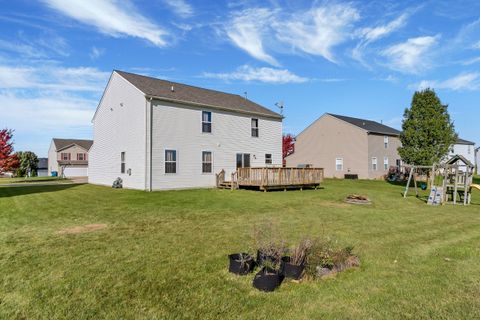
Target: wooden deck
{"type": "Point", "coordinates": [271, 178]}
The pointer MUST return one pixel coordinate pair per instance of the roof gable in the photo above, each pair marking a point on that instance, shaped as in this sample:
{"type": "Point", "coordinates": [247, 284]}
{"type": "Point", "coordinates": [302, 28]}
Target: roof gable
{"type": "Point", "coordinates": [61, 144]}
{"type": "Point", "coordinates": [178, 92]}
{"type": "Point", "coordinates": [368, 125]}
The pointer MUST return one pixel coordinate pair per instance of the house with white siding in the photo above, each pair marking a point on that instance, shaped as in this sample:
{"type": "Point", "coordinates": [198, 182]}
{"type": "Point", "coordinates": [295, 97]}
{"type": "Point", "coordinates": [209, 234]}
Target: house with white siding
{"type": "Point", "coordinates": [463, 148]}
{"type": "Point", "coordinates": [156, 134]}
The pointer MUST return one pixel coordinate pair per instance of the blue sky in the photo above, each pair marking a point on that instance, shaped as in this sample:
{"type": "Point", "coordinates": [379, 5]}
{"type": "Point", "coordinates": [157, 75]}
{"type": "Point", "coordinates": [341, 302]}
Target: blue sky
{"type": "Point", "coordinates": [357, 58]}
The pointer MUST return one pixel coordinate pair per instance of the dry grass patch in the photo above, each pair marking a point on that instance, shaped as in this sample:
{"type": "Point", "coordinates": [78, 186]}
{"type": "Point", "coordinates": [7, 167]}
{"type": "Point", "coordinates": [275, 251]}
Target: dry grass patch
{"type": "Point", "coordinates": [83, 229]}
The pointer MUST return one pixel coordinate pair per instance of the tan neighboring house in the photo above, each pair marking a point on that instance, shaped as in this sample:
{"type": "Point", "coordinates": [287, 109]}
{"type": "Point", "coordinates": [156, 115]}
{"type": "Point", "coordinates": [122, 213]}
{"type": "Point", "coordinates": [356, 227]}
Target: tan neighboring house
{"type": "Point", "coordinates": [69, 157]}
{"type": "Point", "coordinates": [345, 145]}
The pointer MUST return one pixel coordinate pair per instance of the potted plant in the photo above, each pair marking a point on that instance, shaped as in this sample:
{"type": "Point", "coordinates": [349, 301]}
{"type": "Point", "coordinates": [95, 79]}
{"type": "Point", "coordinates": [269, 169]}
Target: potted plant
{"type": "Point", "coordinates": [293, 266]}
{"type": "Point", "coordinates": [270, 247]}
{"type": "Point", "coordinates": [241, 263]}
{"type": "Point", "coordinates": [268, 278]}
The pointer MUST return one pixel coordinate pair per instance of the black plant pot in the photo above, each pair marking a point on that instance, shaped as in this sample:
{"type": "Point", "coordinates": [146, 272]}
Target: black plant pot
{"type": "Point", "coordinates": [262, 257]}
{"type": "Point", "coordinates": [240, 267]}
{"type": "Point", "coordinates": [267, 279]}
{"type": "Point", "coordinates": [291, 270]}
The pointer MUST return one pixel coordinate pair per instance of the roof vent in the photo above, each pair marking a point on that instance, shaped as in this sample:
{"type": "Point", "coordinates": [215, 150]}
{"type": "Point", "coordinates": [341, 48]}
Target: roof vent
{"type": "Point", "coordinates": [172, 89]}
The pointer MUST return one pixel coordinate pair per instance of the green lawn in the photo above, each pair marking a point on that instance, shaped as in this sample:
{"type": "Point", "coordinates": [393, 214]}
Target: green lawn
{"type": "Point", "coordinates": [163, 255]}
{"type": "Point", "coordinates": [31, 180]}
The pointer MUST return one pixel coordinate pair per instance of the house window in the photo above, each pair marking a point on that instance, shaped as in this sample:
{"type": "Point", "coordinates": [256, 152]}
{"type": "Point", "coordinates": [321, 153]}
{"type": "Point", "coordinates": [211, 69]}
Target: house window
{"type": "Point", "coordinates": [255, 128]}
{"type": "Point", "coordinates": [122, 162]}
{"type": "Point", "coordinates": [81, 156]}
{"type": "Point", "coordinates": [385, 163]}
{"type": "Point", "coordinates": [65, 156]}
{"type": "Point", "coordinates": [243, 160]}
{"type": "Point", "coordinates": [206, 121]}
{"type": "Point", "coordinates": [268, 158]}
{"type": "Point", "coordinates": [385, 141]}
{"type": "Point", "coordinates": [170, 161]}
{"type": "Point", "coordinates": [339, 164]}
{"type": "Point", "coordinates": [206, 162]}
{"type": "Point", "coordinates": [469, 150]}
{"type": "Point", "coordinates": [398, 163]}
{"type": "Point", "coordinates": [374, 164]}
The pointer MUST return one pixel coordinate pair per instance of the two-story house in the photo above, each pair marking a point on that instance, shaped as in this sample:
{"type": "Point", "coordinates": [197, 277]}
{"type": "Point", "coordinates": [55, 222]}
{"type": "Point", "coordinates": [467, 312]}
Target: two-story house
{"type": "Point", "coordinates": [463, 148]}
{"type": "Point", "coordinates": [156, 134]}
{"type": "Point", "coordinates": [345, 145]}
{"type": "Point", "coordinates": [68, 157]}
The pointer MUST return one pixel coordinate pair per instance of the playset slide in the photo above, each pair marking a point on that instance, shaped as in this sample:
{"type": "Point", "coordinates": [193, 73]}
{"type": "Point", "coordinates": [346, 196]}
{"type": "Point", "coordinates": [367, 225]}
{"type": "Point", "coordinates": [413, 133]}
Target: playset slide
{"type": "Point", "coordinates": [476, 186]}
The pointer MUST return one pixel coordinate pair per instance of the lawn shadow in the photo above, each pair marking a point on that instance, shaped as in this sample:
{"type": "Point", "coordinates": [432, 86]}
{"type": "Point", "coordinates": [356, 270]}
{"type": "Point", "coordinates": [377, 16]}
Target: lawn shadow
{"type": "Point", "coordinates": [14, 191]}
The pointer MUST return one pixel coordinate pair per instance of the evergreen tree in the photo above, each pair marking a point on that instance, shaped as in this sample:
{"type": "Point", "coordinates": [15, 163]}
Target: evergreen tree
{"type": "Point", "coordinates": [28, 163]}
{"type": "Point", "coordinates": [427, 131]}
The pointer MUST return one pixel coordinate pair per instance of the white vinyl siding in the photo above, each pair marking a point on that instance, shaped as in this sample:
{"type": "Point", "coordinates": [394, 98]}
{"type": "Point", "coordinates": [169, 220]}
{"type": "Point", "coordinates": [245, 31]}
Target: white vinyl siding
{"type": "Point", "coordinates": [178, 126]}
{"type": "Point", "coordinates": [339, 164]}
{"type": "Point", "coordinates": [374, 164]}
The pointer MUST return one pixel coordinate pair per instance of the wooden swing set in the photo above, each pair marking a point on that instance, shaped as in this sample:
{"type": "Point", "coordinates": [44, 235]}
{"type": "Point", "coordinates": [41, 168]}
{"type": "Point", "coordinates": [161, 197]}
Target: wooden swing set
{"type": "Point", "coordinates": [449, 182]}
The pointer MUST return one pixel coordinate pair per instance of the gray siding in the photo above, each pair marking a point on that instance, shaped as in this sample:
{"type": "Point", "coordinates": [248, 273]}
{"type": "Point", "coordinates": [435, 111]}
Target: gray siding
{"type": "Point", "coordinates": [376, 148]}
{"type": "Point", "coordinates": [329, 138]}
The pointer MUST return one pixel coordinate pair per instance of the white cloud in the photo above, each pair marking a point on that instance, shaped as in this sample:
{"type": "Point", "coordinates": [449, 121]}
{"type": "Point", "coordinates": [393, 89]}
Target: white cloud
{"type": "Point", "coordinates": [112, 17]}
{"type": "Point", "coordinates": [412, 56]}
{"type": "Point", "coordinates": [248, 29]}
{"type": "Point", "coordinates": [318, 30]}
{"type": "Point", "coordinates": [180, 7]}
{"type": "Point", "coordinates": [315, 31]}
{"type": "Point", "coordinates": [373, 34]}
{"type": "Point", "coordinates": [369, 35]}
{"type": "Point", "coordinates": [471, 61]}
{"type": "Point", "coordinates": [268, 75]}
{"type": "Point", "coordinates": [96, 53]}
{"type": "Point", "coordinates": [476, 45]}
{"type": "Point", "coordinates": [80, 79]}
{"type": "Point", "coordinates": [464, 81]}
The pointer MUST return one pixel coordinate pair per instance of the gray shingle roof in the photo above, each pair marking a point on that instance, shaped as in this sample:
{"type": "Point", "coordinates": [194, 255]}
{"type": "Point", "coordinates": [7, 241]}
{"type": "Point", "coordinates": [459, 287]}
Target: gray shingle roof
{"type": "Point", "coordinates": [368, 125]}
{"type": "Point", "coordinates": [62, 143]}
{"type": "Point", "coordinates": [158, 88]}
{"type": "Point", "coordinates": [462, 141]}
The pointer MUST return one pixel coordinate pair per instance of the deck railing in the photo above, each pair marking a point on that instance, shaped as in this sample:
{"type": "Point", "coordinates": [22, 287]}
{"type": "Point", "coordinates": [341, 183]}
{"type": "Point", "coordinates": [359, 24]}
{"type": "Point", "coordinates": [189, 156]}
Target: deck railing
{"type": "Point", "coordinates": [278, 177]}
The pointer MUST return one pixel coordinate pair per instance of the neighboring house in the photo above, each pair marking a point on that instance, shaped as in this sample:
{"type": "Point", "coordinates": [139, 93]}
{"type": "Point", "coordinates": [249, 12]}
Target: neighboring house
{"type": "Point", "coordinates": [463, 148]}
{"type": "Point", "coordinates": [156, 134]}
{"type": "Point", "coordinates": [42, 167]}
{"type": "Point", "coordinates": [69, 157]}
{"type": "Point", "coordinates": [345, 145]}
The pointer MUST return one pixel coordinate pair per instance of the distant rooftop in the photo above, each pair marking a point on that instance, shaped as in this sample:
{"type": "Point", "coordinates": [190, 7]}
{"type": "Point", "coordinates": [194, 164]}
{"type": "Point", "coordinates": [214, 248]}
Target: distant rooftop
{"type": "Point", "coordinates": [463, 141]}
{"type": "Point", "coordinates": [368, 125]}
{"type": "Point", "coordinates": [62, 143]}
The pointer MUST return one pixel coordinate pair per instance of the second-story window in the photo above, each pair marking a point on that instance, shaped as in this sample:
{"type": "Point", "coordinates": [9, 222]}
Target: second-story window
{"type": "Point", "coordinates": [385, 141]}
{"type": "Point", "coordinates": [206, 121]}
{"type": "Point", "coordinates": [254, 127]}
{"type": "Point", "coordinates": [81, 156]}
{"type": "Point", "coordinates": [65, 156]}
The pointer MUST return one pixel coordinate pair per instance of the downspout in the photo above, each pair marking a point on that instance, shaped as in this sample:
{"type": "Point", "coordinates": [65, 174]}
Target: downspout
{"type": "Point", "coordinates": [151, 144]}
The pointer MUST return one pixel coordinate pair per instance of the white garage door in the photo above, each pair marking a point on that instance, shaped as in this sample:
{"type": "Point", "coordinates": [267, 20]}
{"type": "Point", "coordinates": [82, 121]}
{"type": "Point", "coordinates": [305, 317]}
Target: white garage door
{"type": "Point", "coordinates": [76, 172]}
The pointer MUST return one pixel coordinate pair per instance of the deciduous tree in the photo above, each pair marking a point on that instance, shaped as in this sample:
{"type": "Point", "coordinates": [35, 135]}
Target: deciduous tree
{"type": "Point", "coordinates": [8, 160]}
{"type": "Point", "coordinates": [288, 146]}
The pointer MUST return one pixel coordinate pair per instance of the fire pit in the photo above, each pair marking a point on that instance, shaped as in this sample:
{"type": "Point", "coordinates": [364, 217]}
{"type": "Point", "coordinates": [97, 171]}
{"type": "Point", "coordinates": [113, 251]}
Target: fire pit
{"type": "Point", "coordinates": [357, 199]}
